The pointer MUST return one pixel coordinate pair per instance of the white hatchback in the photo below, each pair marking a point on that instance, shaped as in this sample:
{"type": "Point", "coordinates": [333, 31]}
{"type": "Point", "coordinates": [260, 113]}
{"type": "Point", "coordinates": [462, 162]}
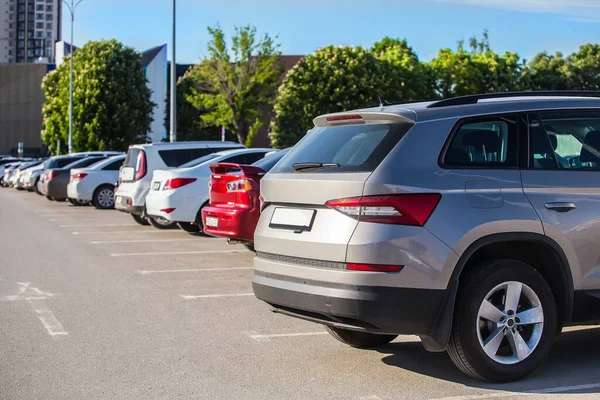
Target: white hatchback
{"type": "Point", "coordinates": [135, 176]}
{"type": "Point", "coordinates": [96, 184]}
{"type": "Point", "coordinates": [178, 195]}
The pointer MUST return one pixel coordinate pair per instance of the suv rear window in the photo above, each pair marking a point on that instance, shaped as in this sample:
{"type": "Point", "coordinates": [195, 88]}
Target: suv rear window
{"type": "Point", "coordinates": [178, 157]}
{"type": "Point", "coordinates": [354, 148]}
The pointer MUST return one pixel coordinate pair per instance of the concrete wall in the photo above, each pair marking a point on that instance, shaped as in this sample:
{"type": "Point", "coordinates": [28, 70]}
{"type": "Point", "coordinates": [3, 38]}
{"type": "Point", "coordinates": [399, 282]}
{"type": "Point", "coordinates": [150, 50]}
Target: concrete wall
{"type": "Point", "coordinates": [21, 101]}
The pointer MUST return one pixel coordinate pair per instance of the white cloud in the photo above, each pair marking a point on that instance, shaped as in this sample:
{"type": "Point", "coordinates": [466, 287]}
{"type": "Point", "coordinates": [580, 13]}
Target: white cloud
{"type": "Point", "coordinates": [587, 9]}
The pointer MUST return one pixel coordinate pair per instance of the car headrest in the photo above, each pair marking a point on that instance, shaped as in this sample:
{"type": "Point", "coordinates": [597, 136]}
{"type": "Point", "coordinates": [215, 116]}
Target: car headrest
{"type": "Point", "coordinates": [591, 146]}
{"type": "Point", "coordinates": [483, 137]}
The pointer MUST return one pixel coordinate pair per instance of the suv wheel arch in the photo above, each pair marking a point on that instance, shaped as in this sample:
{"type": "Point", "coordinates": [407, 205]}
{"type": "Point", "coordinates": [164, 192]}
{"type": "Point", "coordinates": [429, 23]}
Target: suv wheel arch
{"type": "Point", "coordinates": [561, 281]}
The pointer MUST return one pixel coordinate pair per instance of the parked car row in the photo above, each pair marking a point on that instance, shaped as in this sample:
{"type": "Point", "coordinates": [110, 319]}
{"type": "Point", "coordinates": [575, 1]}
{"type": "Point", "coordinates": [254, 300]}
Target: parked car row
{"type": "Point", "coordinates": [471, 222]}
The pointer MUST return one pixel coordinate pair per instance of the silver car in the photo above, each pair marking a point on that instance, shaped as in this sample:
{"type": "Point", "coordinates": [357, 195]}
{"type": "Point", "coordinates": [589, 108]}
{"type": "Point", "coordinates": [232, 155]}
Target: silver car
{"type": "Point", "coordinates": [472, 222]}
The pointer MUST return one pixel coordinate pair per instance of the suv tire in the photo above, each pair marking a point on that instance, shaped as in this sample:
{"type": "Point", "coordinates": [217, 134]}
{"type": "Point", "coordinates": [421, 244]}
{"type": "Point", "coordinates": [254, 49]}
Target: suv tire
{"type": "Point", "coordinates": [140, 220]}
{"type": "Point", "coordinates": [361, 340]}
{"type": "Point", "coordinates": [161, 223]}
{"type": "Point", "coordinates": [504, 332]}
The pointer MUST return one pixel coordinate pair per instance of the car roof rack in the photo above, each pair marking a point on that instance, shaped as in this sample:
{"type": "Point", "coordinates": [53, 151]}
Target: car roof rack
{"type": "Point", "coordinates": [473, 99]}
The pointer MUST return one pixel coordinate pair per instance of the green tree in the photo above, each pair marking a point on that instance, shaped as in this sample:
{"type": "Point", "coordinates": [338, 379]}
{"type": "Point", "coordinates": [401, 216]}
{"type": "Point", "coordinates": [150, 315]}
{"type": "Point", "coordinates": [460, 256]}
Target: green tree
{"type": "Point", "coordinates": [585, 67]}
{"type": "Point", "coordinates": [330, 80]}
{"type": "Point", "coordinates": [407, 78]}
{"type": "Point", "coordinates": [190, 125]}
{"type": "Point", "coordinates": [237, 84]}
{"type": "Point", "coordinates": [111, 101]}
{"type": "Point", "coordinates": [548, 72]}
{"type": "Point", "coordinates": [479, 70]}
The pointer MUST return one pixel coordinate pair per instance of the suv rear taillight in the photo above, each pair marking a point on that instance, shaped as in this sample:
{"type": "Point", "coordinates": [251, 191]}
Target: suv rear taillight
{"type": "Point", "coordinates": [374, 267]}
{"type": "Point", "coordinates": [401, 209]}
{"type": "Point", "coordinates": [175, 183]}
{"type": "Point", "coordinates": [242, 185]}
{"type": "Point", "coordinates": [141, 165]}
{"type": "Point", "coordinates": [79, 176]}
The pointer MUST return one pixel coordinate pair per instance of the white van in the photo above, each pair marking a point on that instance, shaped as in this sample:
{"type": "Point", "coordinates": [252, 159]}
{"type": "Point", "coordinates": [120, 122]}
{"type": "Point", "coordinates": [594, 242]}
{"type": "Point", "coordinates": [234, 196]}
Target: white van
{"type": "Point", "coordinates": [135, 176]}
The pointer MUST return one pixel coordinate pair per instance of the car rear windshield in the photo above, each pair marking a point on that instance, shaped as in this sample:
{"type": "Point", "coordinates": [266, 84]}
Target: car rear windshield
{"type": "Point", "coordinates": [85, 162]}
{"type": "Point", "coordinates": [61, 162]}
{"type": "Point", "coordinates": [199, 161]}
{"type": "Point", "coordinates": [351, 148]}
{"type": "Point", "coordinates": [269, 161]}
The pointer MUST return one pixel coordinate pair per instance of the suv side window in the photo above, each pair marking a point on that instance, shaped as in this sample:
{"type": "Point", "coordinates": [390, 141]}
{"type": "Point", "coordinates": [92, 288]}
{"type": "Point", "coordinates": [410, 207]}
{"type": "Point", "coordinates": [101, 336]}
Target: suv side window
{"type": "Point", "coordinates": [565, 140]}
{"type": "Point", "coordinates": [484, 143]}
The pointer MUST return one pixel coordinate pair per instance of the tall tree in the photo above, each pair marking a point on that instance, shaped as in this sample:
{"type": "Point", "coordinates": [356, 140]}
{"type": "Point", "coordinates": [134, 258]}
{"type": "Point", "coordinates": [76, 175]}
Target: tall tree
{"type": "Point", "coordinates": [190, 125]}
{"type": "Point", "coordinates": [330, 80]}
{"type": "Point", "coordinates": [585, 67]}
{"type": "Point", "coordinates": [548, 72]}
{"type": "Point", "coordinates": [236, 84]}
{"type": "Point", "coordinates": [407, 78]}
{"type": "Point", "coordinates": [111, 101]}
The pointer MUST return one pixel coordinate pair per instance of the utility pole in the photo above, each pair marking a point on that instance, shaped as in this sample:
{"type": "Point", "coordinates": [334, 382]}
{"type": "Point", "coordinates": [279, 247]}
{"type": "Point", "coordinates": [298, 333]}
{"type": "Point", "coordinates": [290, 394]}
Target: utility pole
{"type": "Point", "coordinates": [72, 7]}
{"type": "Point", "coordinates": [173, 123]}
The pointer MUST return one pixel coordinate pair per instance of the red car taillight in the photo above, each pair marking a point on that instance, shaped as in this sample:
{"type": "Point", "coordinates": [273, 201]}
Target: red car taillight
{"type": "Point", "coordinates": [242, 185]}
{"type": "Point", "coordinates": [51, 175]}
{"type": "Point", "coordinates": [79, 176]}
{"type": "Point", "coordinates": [141, 165]}
{"type": "Point", "coordinates": [402, 209]}
{"type": "Point", "coordinates": [177, 183]}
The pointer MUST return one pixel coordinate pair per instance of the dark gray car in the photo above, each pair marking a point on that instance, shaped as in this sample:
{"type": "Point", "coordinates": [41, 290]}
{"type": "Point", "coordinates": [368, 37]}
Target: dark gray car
{"type": "Point", "coordinates": [471, 222]}
{"type": "Point", "coordinates": [55, 180]}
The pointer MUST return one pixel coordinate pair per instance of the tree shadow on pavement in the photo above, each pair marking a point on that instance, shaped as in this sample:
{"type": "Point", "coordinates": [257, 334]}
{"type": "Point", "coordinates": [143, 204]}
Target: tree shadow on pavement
{"type": "Point", "coordinates": [574, 360]}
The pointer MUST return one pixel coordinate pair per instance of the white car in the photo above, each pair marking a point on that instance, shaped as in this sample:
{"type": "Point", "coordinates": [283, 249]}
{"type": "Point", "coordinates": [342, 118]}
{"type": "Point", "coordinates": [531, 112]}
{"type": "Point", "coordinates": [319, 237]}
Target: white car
{"type": "Point", "coordinates": [135, 176]}
{"type": "Point", "coordinates": [31, 176]}
{"type": "Point", "coordinates": [96, 184]}
{"type": "Point", "coordinates": [178, 195]}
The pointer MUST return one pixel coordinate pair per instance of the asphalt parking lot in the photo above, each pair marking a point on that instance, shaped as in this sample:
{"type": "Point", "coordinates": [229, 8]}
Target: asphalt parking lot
{"type": "Point", "coordinates": [94, 306]}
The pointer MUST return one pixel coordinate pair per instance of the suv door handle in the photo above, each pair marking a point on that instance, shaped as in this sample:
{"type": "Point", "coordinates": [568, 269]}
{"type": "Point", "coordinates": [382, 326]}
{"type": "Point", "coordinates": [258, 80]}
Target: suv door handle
{"type": "Point", "coordinates": [560, 206]}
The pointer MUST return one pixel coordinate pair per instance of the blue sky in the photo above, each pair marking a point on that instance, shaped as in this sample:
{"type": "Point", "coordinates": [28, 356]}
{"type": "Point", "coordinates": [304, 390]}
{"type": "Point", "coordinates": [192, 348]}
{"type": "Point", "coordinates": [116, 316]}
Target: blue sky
{"type": "Point", "coordinates": [524, 26]}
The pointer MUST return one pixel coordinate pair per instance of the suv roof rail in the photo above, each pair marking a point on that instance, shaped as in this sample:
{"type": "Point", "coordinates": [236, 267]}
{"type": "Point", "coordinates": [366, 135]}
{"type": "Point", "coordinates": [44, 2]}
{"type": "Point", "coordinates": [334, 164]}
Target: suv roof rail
{"type": "Point", "coordinates": [473, 99]}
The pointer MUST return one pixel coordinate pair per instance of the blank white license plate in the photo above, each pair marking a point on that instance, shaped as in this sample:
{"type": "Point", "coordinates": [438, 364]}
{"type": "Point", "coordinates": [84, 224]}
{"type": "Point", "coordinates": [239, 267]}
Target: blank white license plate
{"type": "Point", "coordinates": [212, 222]}
{"type": "Point", "coordinates": [155, 185]}
{"type": "Point", "coordinates": [292, 218]}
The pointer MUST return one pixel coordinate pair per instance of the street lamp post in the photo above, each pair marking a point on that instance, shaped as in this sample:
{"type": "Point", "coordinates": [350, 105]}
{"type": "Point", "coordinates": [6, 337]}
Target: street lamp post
{"type": "Point", "coordinates": [173, 122]}
{"type": "Point", "coordinates": [72, 7]}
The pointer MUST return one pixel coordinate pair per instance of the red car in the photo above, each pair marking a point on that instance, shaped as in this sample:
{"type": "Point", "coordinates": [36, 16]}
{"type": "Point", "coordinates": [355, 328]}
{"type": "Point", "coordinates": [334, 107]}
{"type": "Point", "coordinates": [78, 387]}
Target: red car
{"type": "Point", "coordinates": [234, 205]}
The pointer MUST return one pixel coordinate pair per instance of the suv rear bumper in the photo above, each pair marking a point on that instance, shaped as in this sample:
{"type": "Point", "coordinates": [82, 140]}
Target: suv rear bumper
{"type": "Point", "coordinates": [374, 309]}
{"type": "Point", "coordinates": [123, 203]}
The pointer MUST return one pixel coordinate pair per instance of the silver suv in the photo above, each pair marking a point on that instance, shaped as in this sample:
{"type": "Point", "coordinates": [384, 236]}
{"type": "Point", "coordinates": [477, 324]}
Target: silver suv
{"type": "Point", "coordinates": [473, 222]}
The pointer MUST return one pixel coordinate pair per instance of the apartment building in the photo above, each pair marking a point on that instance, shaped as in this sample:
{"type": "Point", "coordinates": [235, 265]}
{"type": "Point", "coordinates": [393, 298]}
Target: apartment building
{"type": "Point", "coordinates": [29, 29]}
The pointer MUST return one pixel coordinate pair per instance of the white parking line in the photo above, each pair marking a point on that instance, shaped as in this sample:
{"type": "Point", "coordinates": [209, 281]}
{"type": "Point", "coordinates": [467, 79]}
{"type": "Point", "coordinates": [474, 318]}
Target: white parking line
{"type": "Point", "coordinates": [213, 296]}
{"type": "Point", "coordinates": [94, 226]}
{"type": "Point", "coordinates": [171, 253]}
{"type": "Point", "coordinates": [144, 241]}
{"type": "Point", "coordinates": [167, 271]}
{"type": "Point", "coordinates": [537, 392]}
{"type": "Point", "coordinates": [267, 338]}
{"type": "Point", "coordinates": [140, 231]}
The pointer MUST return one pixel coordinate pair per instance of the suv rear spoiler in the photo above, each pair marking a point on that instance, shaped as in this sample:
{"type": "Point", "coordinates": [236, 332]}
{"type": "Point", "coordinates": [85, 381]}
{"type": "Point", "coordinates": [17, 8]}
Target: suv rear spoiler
{"type": "Point", "coordinates": [222, 168]}
{"type": "Point", "coordinates": [360, 117]}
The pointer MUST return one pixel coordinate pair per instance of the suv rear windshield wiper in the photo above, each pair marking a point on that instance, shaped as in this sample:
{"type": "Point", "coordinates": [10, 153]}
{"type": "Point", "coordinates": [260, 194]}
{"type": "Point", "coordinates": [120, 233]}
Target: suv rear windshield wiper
{"type": "Point", "coordinates": [312, 165]}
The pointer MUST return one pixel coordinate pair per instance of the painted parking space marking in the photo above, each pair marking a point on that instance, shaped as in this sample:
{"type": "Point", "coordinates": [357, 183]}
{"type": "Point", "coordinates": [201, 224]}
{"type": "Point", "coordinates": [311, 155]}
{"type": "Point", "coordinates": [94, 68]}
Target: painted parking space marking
{"type": "Point", "coordinates": [267, 338]}
{"type": "Point", "coordinates": [37, 300]}
{"type": "Point", "coordinates": [138, 231]}
{"type": "Point", "coordinates": [172, 253]}
{"type": "Point", "coordinates": [94, 226]}
{"type": "Point", "coordinates": [147, 241]}
{"type": "Point", "coordinates": [213, 296]}
{"type": "Point", "coordinates": [168, 271]}
{"type": "Point", "coordinates": [537, 392]}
